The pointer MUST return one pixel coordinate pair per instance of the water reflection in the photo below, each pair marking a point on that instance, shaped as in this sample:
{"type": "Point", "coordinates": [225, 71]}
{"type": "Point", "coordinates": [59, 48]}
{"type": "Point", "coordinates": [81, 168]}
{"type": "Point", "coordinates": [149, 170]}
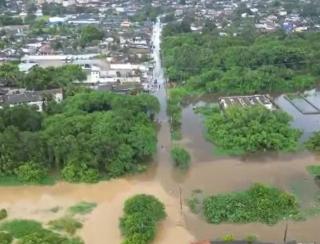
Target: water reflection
{"type": "Point", "coordinates": [308, 123]}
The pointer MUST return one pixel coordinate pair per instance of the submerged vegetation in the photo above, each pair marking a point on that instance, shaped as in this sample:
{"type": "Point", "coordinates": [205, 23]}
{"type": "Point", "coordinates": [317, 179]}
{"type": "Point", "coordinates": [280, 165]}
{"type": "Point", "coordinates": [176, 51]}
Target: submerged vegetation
{"type": "Point", "coordinates": [92, 135]}
{"type": "Point", "coordinates": [314, 170]}
{"type": "Point", "coordinates": [181, 157]}
{"type": "Point", "coordinates": [257, 204]}
{"type": "Point", "coordinates": [20, 228]}
{"type": "Point", "coordinates": [30, 231]}
{"type": "Point", "coordinates": [141, 215]}
{"type": "Point", "coordinates": [252, 129]}
{"type": "Point", "coordinates": [313, 144]}
{"type": "Point", "coordinates": [174, 111]}
{"type": "Point", "coordinates": [82, 208]}
{"type": "Point", "coordinates": [66, 224]}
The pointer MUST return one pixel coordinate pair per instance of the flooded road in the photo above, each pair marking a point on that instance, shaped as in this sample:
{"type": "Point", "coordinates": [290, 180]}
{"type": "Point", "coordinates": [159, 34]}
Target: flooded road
{"type": "Point", "coordinates": [208, 173]}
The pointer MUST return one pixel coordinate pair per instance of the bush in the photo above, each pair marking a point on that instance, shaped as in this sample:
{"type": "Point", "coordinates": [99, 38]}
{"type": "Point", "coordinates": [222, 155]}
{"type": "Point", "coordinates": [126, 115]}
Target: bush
{"type": "Point", "coordinates": [5, 238]}
{"type": "Point", "coordinates": [228, 238]}
{"type": "Point", "coordinates": [141, 214]}
{"type": "Point", "coordinates": [147, 204]}
{"type": "Point", "coordinates": [314, 170]}
{"type": "Point", "coordinates": [82, 208]}
{"type": "Point", "coordinates": [3, 214]}
{"type": "Point", "coordinates": [257, 204]}
{"type": "Point", "coordinates": [31, 173]}
{"type": "Point", "coordinates": [313, 144]}
{"type": "Point", "coordinates": [181, 157]}
{"type": "Point", "coordinates": [20, 228]}
{"type": "Point", "coordinates": [67, 224]}
{"type": "Point", "coordinates": [73, 172]}
{"type": "Point", "coordinates": [138, 225]}
{"type": "Point", "coordinates": [252, 129]}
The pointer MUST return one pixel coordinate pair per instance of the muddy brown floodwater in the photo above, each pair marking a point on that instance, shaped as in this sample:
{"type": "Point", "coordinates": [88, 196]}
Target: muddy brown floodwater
{"type": "Point", "coordinates": [208, 173]}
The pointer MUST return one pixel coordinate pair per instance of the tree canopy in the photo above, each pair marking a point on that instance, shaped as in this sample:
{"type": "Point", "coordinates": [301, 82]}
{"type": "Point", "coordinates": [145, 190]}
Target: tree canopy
{"type": "Point", "coordinates": [89, 34]}
{"type": "Point", "coordinates": [257, 204]}
{"type": "Point", "coordinates": [252, 129]}
{"type": "Point", "coordinates": [141, 215]}
{"type": "Point", "coordinates": [41, 78]}
{"type": "Point", "coordinates": [237, 64]}
{"type": "Point", "coordinates": [93, 134]}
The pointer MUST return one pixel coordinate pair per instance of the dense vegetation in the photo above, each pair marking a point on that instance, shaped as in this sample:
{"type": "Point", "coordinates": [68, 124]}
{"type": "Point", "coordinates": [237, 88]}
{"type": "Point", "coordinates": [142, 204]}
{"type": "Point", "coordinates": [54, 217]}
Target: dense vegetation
{"type": "Point", "coordinates": [174, 111]}
{"type": "Point", "coordinates": [257, 204]}
{"type": "Point", "coordinates": [181, 157]}
{"type": "Point", "coordinates": [141, 215]}
{"type": "Point", "coordinates": [90, 34]}
{"type": "Point", "coordinates": [239, 64]}
{"type": "Point", "coordinates": [252, 129]}
{"type": "Point", "coordinates": [93, 135]}
{"type": "Point", "coordinates": [313, 144]}
{"type": "Point", "coordinates": [314, 170]}
{"type": "Point", "coordinates": [82, 208]}
{"type": "Point", "coordinates": [66, 224]}
{"type": "Point", "coordinates": [40, 78]}
{"type": "Point", "coordinates": [8, 20]}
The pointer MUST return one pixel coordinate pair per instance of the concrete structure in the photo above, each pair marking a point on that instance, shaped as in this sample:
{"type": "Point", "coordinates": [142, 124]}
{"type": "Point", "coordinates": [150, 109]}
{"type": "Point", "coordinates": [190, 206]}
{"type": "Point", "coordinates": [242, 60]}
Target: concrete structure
{"type": "Point", "coordinates": [264, 100]}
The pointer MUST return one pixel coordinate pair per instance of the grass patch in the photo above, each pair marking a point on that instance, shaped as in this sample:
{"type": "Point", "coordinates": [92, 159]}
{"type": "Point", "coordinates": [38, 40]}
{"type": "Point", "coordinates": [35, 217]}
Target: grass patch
{"type": "Point", "coordinates": [14, 181]}
{"type": "Point", "coordinates": [5, 238]}
{"type": "Point", "coordinates": [208, 109]}
{"type": "Point", "coordinates": [82, 208]}
{"type": "Point", "coordinates": [220, 152]}
{"type": "Point", "coordinates": [259, 203]}
{"type": "Point", "coordinates": [308, 195]}
{"type": "Point", "coordinates": [314, 170]}
{"type": "Point", "coordinates": [19, 227]}
{"type": "Point", "coordinates": [176, 134]}
{"type": "Point", "coordinates": [66, 224]}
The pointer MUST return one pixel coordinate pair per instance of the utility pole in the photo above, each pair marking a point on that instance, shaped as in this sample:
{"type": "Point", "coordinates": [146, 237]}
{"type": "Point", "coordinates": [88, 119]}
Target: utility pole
{"type": "Point", "coordinates": [285, 233]}
{"type": "Point", "coordinates": [180, 197]}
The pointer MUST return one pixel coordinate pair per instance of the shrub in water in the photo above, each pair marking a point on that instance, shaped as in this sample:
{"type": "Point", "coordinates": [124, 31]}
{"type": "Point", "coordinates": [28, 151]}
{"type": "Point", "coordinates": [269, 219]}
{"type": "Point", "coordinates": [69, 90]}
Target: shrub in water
{"type": "Point", "coordinates": [5, 238]}
{"type": "Point", "coordinates": [180, 157]}
{"type": "Point", "coordinates": [82, 208]}
{"type": "Point", "coordinates": [138, 225]}
{"type": "Point", "coordinates": [258, 204]}
{"type": "Point", "coordinates": [48, 237]}
{"type": "Point", "coordinates": [3, 214]}
{"type": "Point", "coordinates": [141, 214]}
{"type": "Point", "coordinates": [19, 228]}
{"type": "Point", "coordinates": [147, 204]}
{"type": "Point", "coordinates": [67, 224]}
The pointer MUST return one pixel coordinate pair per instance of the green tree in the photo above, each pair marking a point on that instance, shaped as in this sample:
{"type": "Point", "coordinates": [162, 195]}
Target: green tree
{"type": "Point", "coordinates": [252, 129]}
{"type": "Point", "coordinates": [313, 144]}
{"type": "Point", "coordinates": [31, 172]}
{"type": "Point", "coordinates": [89, 34]}
{"type": "Point", "coordinates": [10, 74]}
{"type": "Point", "coordinates": [181, 157]}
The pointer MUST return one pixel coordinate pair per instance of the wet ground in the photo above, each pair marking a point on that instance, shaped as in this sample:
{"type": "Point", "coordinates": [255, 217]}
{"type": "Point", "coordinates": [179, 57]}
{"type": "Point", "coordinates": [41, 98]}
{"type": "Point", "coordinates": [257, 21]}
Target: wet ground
{"type": "Point", "coordinates": [209, 173]}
